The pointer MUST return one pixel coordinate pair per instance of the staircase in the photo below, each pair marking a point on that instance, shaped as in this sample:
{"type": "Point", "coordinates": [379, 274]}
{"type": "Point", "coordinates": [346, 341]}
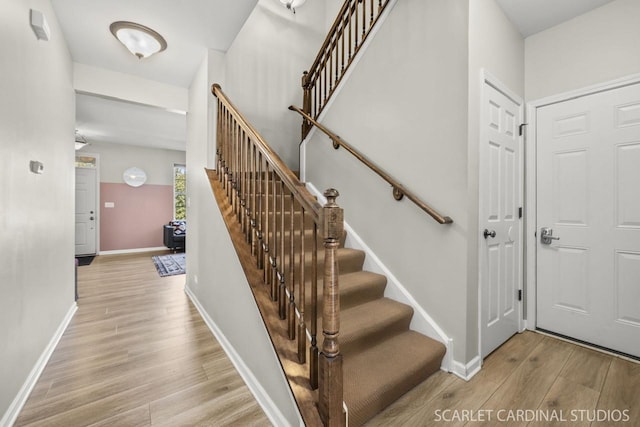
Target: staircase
{"type": "Point", "coordinates": [341, 342]}
{"type": "Point", "coordinates": [367, 356]}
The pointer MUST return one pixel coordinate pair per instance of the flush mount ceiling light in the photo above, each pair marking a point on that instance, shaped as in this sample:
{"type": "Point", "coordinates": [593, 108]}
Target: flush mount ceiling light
{"type": "Point", "coordinates": [292, 4]}
{"type": "Point", "coordinates": [140, 40]}
{"type": "Point", "coordinates": [80, 141]}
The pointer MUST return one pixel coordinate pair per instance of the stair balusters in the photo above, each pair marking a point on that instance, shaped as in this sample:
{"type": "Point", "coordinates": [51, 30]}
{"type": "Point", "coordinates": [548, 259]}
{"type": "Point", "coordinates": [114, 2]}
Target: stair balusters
{"type": "Point", "coordinates": [278, 217]}
{"type": "Point", "coordinates": [345, 38]}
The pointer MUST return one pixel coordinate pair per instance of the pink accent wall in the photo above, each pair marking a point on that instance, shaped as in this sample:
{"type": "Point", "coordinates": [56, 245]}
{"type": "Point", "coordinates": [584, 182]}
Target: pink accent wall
{"type": "Point", "coordinates": [137, 218]}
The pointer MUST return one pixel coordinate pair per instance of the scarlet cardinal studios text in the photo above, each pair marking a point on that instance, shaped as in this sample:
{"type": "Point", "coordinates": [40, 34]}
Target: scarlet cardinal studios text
{"type": "Point", "coordinates": [529, 415]}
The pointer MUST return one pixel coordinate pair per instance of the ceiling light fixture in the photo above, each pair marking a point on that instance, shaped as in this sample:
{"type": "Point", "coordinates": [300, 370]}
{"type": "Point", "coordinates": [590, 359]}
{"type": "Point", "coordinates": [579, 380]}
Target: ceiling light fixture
{"type": "Point", "coordinates": [140, 40]}
{"type": "Point", "coordinates": [292, 4]}
{"type": "Point", "coordinates": [80, 141]}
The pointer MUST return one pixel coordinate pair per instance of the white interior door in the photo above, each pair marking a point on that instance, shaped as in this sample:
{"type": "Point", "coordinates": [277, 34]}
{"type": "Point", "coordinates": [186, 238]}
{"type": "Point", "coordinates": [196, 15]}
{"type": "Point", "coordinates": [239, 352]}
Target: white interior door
{"type": "Point", "coordinates": [86, 211]}
{"type": "Point", "coordinates": [500, 222]}
{"type": "Point", "coordinates": [588, 193]}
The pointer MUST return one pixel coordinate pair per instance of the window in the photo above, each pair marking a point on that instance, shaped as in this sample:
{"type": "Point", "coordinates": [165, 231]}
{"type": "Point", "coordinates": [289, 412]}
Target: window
{"type": "Point", "coordinates": [86, 162]}
{"type": "Point", "coordinates": [179, 191]}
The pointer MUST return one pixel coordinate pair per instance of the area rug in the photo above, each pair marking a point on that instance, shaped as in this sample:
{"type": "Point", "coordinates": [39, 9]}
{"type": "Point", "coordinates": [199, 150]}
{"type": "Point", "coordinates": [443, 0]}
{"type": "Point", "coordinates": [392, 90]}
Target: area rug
{"type": "Point", "coordinates": [170, 265]}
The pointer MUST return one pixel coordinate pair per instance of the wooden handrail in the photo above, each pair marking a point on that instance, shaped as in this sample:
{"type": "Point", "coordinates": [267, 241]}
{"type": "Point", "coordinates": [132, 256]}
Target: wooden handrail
{"type": "Point", "coordinates": [343, 10]}
{"type": "Point", "coordinates": [398, 189]}
{"type": "Point", "coordinates": [277, 214]}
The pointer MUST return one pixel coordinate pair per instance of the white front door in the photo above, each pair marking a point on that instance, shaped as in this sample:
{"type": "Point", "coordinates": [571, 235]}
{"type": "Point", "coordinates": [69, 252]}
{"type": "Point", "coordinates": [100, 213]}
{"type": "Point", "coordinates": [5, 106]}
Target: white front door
{"type": "Point", "coordinates": [588, 194]}
{"type": "Point", "coordinates": [500, 223]}
{"type": "Point", "coordinates": [86, 211]}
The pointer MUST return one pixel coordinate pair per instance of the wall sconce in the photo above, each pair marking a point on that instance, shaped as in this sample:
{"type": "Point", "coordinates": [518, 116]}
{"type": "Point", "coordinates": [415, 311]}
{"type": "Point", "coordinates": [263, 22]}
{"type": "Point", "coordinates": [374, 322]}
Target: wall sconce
{"type": "Point", "coordinates": [292, 4]}
{"type": "Point", "coordinates": [139, 40]}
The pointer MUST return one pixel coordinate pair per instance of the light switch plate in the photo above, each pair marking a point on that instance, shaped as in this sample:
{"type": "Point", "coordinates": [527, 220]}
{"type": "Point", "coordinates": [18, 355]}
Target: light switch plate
{"type": "Point", "coordinates": [36, 167]}
{"type": "Point", "coordinates": [109, 205]}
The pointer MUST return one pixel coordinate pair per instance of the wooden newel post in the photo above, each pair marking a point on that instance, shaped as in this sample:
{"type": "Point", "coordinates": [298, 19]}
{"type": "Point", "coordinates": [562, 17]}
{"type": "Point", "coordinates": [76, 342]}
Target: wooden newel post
{"type": "Point", "coordinates": [306, 103]}
{"type": "Point", "coordinates": [330, 382]}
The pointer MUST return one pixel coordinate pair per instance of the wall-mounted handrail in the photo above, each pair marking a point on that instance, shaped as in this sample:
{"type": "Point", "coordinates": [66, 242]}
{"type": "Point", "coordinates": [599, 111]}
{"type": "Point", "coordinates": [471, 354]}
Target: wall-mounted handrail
{"type": "Point", "coordinates": [398, 189]}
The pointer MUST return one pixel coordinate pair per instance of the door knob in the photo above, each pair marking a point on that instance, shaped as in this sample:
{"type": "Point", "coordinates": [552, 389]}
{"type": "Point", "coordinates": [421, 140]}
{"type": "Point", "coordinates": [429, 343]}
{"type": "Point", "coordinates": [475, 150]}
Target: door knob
{"type": "Point", "coordinates": [91, 218]}
{"type": "Point", "coordinates": [488, 233]}
{"type": "Point", "coordinates": [546, 236]}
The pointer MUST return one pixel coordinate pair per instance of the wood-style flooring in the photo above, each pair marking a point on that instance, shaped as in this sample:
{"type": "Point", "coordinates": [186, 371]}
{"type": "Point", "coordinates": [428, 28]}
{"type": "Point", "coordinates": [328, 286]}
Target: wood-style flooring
{"type": "Point", "coordinates": [137, 353]}
{"type": "Point", "coordinates": [531, 380]}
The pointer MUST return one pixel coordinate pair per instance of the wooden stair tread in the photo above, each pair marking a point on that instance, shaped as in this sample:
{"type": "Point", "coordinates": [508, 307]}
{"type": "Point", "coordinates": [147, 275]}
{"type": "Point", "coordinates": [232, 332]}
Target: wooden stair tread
{"type": "Point", "coordinates": [376, 377]}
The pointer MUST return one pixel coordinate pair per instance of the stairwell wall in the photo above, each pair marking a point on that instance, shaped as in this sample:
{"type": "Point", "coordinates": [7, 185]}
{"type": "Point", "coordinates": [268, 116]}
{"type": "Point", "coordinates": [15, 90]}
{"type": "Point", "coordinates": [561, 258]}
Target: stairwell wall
{"type": "Point", "coordinates": [406, 107]}
{"type": "Point", "coordinates": [261, 73]}
{"type": "Point", "coordinates": [264, 68]}
{"type": "Point", "coordinates": [215, 278]}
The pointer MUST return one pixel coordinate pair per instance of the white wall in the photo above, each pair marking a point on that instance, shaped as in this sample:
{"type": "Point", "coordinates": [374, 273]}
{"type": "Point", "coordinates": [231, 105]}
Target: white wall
{"type": "Point", "coordinates": [116, 158]}
{"type": "Point", "coordinates": [36, 211]}
{"type": "Point", "coordinates": [598, 46]}
{"type": "Point", "coordinates": [332, 7]}
{"type": "Point", "coordinates": [214, 273]}
{"type": "Point", "coordinates": [112, 84]}
{"type": "Point", "coordinates": [217, 74]}
{"type": "Point", "coordinates": [264, 70]}
{"type": "Point", "coordinates": [405, 107]}
{"type": "Point", "coordinates": [496, 46]}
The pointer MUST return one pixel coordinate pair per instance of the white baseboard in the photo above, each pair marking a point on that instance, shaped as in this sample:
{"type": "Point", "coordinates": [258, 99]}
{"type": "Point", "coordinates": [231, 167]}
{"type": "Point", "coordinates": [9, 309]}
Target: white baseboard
{"type": "Point", "coordinates": [270, 409]}
{"type": "Point", "coordinates": [467, 371]}
{"type": "Point", "coordinates": [16, 406]}
{"type": "Point", "coordinates": [421, 321]}
{"type": "Point", "coordinates": [133, 251]}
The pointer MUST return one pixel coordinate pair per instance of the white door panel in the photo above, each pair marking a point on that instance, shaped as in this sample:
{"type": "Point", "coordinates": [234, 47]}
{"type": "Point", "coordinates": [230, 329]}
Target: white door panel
{"type": "Point", "coordinates": [588, 179]}
{"type": "Point", "coordinates": [500, 198]}
{"type": "Point", "coordinates": [86, 211]}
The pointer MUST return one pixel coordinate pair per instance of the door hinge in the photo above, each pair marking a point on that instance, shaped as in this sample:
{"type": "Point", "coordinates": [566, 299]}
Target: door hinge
{"type": "Point", "coordinates": [519, 294]}
{"type": "Point", "coordinates": [521, 128]}
{"type": "Point", "coordinates": [520, 212]}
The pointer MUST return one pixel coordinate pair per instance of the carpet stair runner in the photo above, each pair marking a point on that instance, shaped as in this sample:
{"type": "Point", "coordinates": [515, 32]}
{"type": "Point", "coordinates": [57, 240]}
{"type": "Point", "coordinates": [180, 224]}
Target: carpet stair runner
{"type": "Point", "coordinates": [382, 357]}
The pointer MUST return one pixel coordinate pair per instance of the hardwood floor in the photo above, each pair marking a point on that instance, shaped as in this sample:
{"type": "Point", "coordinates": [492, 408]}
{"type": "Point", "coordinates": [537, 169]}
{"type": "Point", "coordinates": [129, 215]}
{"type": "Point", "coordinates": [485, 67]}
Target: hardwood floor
{"type": "Point", "coordinates": [137, 353]}
{"type": "Point", "coordinates": [532, 380]}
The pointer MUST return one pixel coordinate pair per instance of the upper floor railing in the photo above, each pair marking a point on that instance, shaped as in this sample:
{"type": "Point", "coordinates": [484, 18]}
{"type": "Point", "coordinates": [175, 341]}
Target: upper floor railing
{"type": "Point", "coordinates": [345, 38]}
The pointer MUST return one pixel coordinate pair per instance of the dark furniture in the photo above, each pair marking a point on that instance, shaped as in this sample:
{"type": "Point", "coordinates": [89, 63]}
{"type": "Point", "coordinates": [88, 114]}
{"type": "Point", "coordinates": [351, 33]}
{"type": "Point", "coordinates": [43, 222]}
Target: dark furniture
{"type": "Point", "coordinates": [175, 235]}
